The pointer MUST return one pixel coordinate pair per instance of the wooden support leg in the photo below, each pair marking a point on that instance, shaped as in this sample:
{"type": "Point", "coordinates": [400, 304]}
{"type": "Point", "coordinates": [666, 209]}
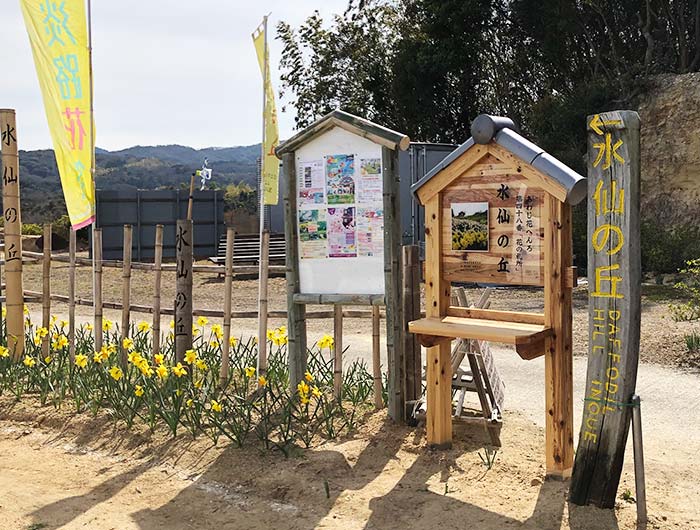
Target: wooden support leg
{"type": "Point", "coordinates": [439, 396]}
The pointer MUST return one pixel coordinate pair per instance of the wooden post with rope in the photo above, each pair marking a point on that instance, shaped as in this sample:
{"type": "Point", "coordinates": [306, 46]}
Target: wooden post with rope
{"type": "Point", "coordinates": [13, 234]}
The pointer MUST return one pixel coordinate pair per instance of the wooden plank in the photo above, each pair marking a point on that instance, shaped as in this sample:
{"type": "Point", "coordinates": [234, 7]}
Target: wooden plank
{"type": "Point", "coordinates": [495, 314]}
{"type": "Point", "coordinates": [411, 311]}
{"type": "Point", "coordinates": [480, 329]}
{"type": "Point", "coordinates": [97, 304]}
{"type": "Point", "coordinates": [296, 313]}
{"type": "Point", "coordinates": [396, 404]}
{"type": "Point", "coordinates": [376, 361]}
{"type": "Point", "coordinates": [338, 352]}
{"type": "Point", "coordinates": [614, 305]}
{"type": "Point", "coordinates": [46, 289]}
{"type": "Point", "coordinates": [333, 299]}
{"type": "Point", "coordinates": [262, 301]}
{"type": "Point", "coordinates": [126, 291]}
{"type": "Point", "coordinates": [183, 288]}
{"type": "Point", "coordinates": [438, 378]}
{"type": "Point", "coordinates": [558, 366]}
{"type": "Point", "coordinates": [71, 294]}
{"type": "Point", "coordinates": [228, 277]}
{"type": "Point", "coordinates": [12, 234]}
{"type": "Point", "coordinates": [157, 262]}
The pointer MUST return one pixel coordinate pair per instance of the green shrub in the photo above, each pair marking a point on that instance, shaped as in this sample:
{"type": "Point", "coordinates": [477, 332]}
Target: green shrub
{"type": "Point", "coordinates": [31, 229]}
{"type": "Point", "coordinates": [690, 288]}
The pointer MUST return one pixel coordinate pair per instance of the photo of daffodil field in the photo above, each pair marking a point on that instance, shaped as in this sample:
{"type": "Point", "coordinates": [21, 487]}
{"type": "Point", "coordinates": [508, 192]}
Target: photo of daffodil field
{"type": "Point", "coordinates": [131, 384]}
{"type": "Point", "coordinates": [470, 226]}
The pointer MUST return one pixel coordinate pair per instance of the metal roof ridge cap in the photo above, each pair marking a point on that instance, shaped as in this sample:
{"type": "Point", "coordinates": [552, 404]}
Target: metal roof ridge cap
{"type": "Point", "coordinates": [518, 145]}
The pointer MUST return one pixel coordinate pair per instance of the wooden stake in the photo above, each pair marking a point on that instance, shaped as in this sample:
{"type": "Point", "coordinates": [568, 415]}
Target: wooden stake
{"type": "Point", "coordinates": [71, 294]}
{"type": "Point", "coordinates": [46, 290]}
{"type": "Point", "coordinates": [157, 265]}
{"type": "Point", "coordinates": [190, 199]}
{"type": "Point", "coordinates": [638, 447]}
{"type": "Point", "coordinates": [228, 280]}
{"type": "Point", "coordinates": [411, 311]}
{"type": "Point", "coordinates": [338, 351]}
{"type": "Point", "coordinates": [97, 305]}
{"type": "Point", "coordinates": [13, 234]}
{"type": "Point", "coordinates": [126, 290]}
{"type": "Point", "coordinates": [376, 361]}
{"type": "Point", "coordinates": [262, 302]}
{"type": "Point", "coordinates": [183, 298]}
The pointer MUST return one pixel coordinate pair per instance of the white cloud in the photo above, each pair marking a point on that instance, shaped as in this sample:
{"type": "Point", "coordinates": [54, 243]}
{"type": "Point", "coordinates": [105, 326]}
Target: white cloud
{"type": "Point", "coordinates": [166, 71]}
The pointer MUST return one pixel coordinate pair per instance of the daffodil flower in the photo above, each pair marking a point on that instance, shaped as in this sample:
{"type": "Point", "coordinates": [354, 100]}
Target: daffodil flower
{"type": "Point", "coordinates": [138, 391]}
{"type": "Point", "coordinates": [116, 373]}
{"type": "Point", "coordinates": [233, 341]}
{"type": "Point", "coordinates": [262, 381]}
{"type": "Point", "coordinates": [308, 376]}
{"type": "Point", "coordinates": [179, 370]}
{"type": "Point", "coordinates": [316, 391]}
{"type": "Point", "coordinates": [159, 358]}
{"type": "Point", "coordinates": [81, 360]}
{"type": "Point", "coordinates": [162, 371]}
{"type": "Point", "coordinates": [128, 344]}
{"type": "Point", "coordinates": [29, 361]}
{"type": "Point", "coordinates": [47, 359]}
{"type": "Point", "coordinates": [326, 342]}
{"type": "Point", "coordinates": [250, 371]}
{"type": "Point", "coordinates": [96, 357]}
{"type": "Point", "coordinates": [216, 406]}
{"type": "Point", "coordinates": [190, 356]}
{"type": "Point", "coordinates": [189, 403]}
{"type": "Point", "coordinates": [202, 321]}
{"type": "Point", "coordinates": [143, 326]}
{"type": "Point", "coordinates": [4, 352]}
{"type": "Point", "coordinates": [201, 365]}
{"type": "Point", "coordinates": [106, 324]}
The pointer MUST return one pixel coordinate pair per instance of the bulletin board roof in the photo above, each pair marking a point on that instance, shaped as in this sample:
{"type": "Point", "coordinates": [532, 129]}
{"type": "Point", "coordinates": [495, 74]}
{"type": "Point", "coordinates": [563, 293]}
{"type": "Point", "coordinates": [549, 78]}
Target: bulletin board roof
{"type": "Point", "coordinates": [523, 149]}
{"type": "Point", "coordinates": [381, 135]}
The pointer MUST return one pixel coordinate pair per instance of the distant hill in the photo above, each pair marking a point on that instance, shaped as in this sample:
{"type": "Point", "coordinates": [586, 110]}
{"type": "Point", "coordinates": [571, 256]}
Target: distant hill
{"type": "Point", "coordinates": [139, 167]}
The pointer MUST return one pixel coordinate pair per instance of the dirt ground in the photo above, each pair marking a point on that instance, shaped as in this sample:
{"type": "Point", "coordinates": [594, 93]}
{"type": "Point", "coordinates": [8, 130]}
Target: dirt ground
{"type": "Point", "coordinates": [58, 470]}
{"type": "Point", "coordinates": [75, 472]}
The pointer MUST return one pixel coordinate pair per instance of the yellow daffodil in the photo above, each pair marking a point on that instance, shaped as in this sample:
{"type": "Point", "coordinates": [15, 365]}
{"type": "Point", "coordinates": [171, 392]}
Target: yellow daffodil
{"type": "Point", "coordinates": [106, 324]}
{"type": "Point", "coordinates": [303, 388]}
{"type": "Point", "coordinates": [128, 343]}
{"type": "Point", "coordinates": [250, 371]}
{"type": "Point", "coordinates": [172, 324]}
{"type": "Point", "coordinates": [270, 334]}
{"type": "Point", "coordinates": [162, 371]}
{"type": "Point", "coordinates": [143, 326]}
{"type": "Point", "coordinates": [304, 400]}
{"type": "Point", "coordinates": [316, 391]}
{"type": "Point", "coordinates": [42, 332]}
{"type": "Point", "coordinates": [138, 391]}
{"type": "Point", "coordinates": [179, 370]}
{"type": "Point", "coordinates": [96, 357]}
{"type": "Point", "coordinates": [89, 327]}
{"type": "Point", "coordinates": [201, 365]}
{"type": "Point", "coordinates": [218, 331]}
{"type": "Point", "coordinates": [190, 356]}
{"type": "Point", "coordinates": [104, 353]}
{"type": "Point", "coordinates": [195, 330]}
{"type": "Point", "coordinates": [146, 369]}
{"type": "Point", "coordinates": [159, 358]}
{"type": "Point", "coordinates": [47, 359]}
{"type": "Point", "coordinates": [262, 381]}
{"type": "Point", "coordinates": [4, 312]}
{"type": "Point", "coordinates": [29, 361]}
{"type": "Point", "coordinates": [308, 376]}
{"type": "Point", "coordinates": [81, 360]}
{"type": "Point", "coordinates": [4, 352]}
{"type": "Point", "coordinates": [112, 348]}
{"type": "Point", "coordinates": [326, 342]}
{"type": "Point", "coordinates": [214, 343]}
{"type": "Point", "coordinates": [202, 321]}
{"type": "Point", "coordinates": [216, 406]}
{"type": "Point", "coordinates": [37, 340]}
{"type": "Point", "coordinates": [233, 341]}
{"type": "Point", "coordinates": [134, 357]}
{"type": "Point", "coordinates": [189, 403]}
{"type": "Point", "coordinates": [198, 383]}
{"type": "Point", "coordinates": [178, 392]}
{"type": "Point", "coordinates": [26, 309]}
{"type": "Point", "coordinates": [116, 373]}
{"type": "Point", "coordinates": [60, 342]}
{"type": "Point", "coordinates": [64, 324]}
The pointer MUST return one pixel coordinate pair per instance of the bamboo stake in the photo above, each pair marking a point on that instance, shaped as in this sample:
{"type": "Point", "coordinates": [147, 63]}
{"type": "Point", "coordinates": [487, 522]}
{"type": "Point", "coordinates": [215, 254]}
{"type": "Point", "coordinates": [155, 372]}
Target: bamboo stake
{"type": "Point", "coordinates": [190, 199]}
{"type": "Point", "coordinates": [46, 289]}
{"type": "Point", "coordinates": [126, 290]}
{"type": "Point", "coordinates": [338, 351]}
{"type": "Point", "coordinates": [376, 361]}
{"type": "Point", "coordinates": [97, 285]}
{"type": "Point", "coordinates": [223, 374]}
{"type": "Point", "coordinates": [13, 234]}
{"type": "Point", "coordinates": [71, 294]}
{"type": "Point", "coordinates": [262, 302]}
{"type": "Point", "coordinates": [157, 263]}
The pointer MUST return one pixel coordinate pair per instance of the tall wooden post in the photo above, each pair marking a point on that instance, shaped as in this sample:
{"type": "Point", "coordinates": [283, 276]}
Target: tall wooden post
{"type": "Point", "coordinates": [262, 301]}
{"type": "Point", "coordinates": [183, 297]}
{"type": "Point", "coordinates": [392, 284]}
{"type": "Point", "coordinates": [376, 361]}
{"type": "Point", "coordinates": [614, 309]}
{"type": "Point", "coordinates": [558, 360]}
{"type": "Point", "coordinates": [126, 289]}
{"type": "Point", "coordinates": [411, 311]}
{"type": "Point", "coordinates": [97, 300]}
{"type": "Point", "coordinates": [338, 351]}
{"type": "Point", "coordinates": [72, 243]}
{"type": "Point", "coordinates": [46, 289]}
{"type": "Point", "coordinates": [228, 280]}
{"type": "Point", "coordinates": [13, 233]}
{"type": "Point", "coordinates": [438, 363]}
{"type": "Point", "coordinates": [157, 267]}
{"type": "Point", "coordinates": [296, 313]}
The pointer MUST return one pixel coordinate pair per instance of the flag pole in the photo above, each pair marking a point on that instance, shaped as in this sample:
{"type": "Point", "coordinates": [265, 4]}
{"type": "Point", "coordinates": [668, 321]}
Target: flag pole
{"type": "Point", "coordinates": [262, 261]}
{"type": "Point", "coordinates": [97, 311]}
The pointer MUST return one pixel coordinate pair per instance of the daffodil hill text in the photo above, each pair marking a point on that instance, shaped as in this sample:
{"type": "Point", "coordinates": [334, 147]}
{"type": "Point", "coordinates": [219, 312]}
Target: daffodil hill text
{"type": "Point", "coordinates": [246, 407]}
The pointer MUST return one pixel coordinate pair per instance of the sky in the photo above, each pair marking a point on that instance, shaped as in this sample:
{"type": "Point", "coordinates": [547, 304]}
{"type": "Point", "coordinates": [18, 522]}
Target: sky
{"type": "Point", "coordinates": [165, 71]}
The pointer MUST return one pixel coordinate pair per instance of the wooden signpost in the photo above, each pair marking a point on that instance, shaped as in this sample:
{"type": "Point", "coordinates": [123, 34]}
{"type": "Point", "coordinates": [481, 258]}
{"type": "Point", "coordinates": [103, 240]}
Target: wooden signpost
{"type": "Point", "coordinates": [183, 280]}
{"type": "Point", "coordinates": [497, 210]}
{"type": "Point", "coordinates": [614, 271]}
{"type": "Point", "coordinates": [13, 234]}
{"type": "Point", "coordinates": [342, 233]}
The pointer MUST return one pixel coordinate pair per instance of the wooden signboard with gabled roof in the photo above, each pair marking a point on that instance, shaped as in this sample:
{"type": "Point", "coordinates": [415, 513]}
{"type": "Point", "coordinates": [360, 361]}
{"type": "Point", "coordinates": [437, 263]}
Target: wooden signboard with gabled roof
{"type": "Point", "coordinates": [498, 210]}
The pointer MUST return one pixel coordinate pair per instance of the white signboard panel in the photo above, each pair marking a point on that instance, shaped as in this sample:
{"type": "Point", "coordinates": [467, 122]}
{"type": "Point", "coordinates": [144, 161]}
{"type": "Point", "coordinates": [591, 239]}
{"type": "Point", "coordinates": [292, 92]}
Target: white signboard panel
{"type": "Point", "coordinates": [340, 215]}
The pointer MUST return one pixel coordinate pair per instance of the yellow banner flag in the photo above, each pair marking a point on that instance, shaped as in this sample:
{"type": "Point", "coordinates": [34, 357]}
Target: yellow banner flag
{"type": "Point", "coordinates": [270, 162]}
{"type": "Point", "coordinates": [58, 34]}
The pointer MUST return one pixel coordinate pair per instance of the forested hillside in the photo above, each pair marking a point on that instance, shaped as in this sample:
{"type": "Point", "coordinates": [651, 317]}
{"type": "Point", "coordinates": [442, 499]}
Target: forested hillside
{"type": "Point", "coordinates": [138, 167]}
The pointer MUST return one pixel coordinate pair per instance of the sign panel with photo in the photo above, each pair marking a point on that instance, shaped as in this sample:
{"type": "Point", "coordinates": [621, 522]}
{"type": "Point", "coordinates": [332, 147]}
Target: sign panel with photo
{"type": "Point", "coordinates": [470, 226]}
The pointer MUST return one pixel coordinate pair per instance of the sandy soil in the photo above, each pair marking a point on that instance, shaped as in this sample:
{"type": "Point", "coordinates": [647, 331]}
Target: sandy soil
{"type": "Point", "coordinates": [61, 471]}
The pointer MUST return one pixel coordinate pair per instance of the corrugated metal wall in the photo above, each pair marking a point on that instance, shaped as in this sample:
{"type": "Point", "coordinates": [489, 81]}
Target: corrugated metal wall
{"type": "Point", "coordinates": [144, 209]}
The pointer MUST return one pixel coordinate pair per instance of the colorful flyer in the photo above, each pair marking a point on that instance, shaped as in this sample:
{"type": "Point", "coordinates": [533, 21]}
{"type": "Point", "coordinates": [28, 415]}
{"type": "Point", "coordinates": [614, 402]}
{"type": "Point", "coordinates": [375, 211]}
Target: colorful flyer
{"type": "Point", "coordinates": [370, 231]}
{"type": "Point", "coordinates": [340, 179]}
{"type": "Point", "coordinates": [369, 189]}
{"type": "Point", "coordinates": [311, 182]}
{"type": "Point", "coordinates": [341, 233]}
{"type": "Point", "coordinates": [313, 234]}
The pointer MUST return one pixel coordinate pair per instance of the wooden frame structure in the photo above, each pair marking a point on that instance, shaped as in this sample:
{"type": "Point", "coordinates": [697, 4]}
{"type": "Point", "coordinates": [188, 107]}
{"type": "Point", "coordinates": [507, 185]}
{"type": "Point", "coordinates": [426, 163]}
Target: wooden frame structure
{"type": "Point", "coordinates": [389, 143]}
{"type": "Point", "coordinates": [526, 196]}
